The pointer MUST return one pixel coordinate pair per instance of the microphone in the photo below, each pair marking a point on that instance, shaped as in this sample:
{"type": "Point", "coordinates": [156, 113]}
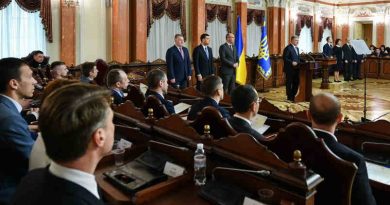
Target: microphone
{"type": "Point", "coordinates": [261, 172]}
{"type": "Point", "coordinates": [169, 145]}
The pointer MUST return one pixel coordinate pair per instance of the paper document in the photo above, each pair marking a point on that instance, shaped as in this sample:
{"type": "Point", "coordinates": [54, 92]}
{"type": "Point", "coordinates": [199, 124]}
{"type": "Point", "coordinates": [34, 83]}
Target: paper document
{"type": "Point", "coordinates": [258, 123]}
{"type": "Point", "coordinates": [143, 88]}
{"type": "Point", "coordinates": [181, 107]}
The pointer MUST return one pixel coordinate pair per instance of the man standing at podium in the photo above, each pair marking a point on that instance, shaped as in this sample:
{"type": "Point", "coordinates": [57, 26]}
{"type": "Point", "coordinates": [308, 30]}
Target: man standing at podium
{"type": "Point", "coordinates": [291, 69]}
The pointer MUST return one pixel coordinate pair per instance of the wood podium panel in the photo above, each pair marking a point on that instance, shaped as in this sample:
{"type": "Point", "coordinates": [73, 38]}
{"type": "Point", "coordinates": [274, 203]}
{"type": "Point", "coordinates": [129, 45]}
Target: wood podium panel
{"type": "Point", "coordinates": [305, 82]}
{"type": "Point", "coordinates": [326, 64]}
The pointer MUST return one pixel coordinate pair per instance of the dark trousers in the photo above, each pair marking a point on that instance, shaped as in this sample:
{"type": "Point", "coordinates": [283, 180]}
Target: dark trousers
{"type": "Point", "coordinates": [228, 81]}
{"type": "Point", "coordinates": [348, 71]}
{"type": "Point", "coordinates": [292, 83]}
{"type": "Point", "coordinates": [356, 70]}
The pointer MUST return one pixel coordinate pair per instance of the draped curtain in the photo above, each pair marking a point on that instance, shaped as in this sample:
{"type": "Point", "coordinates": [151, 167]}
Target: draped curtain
{"type": "Point", "coordinates": [304, 20]}
{"type": "Point", "coordinates": [165, 19]}
{"type": "Point", "coordinates": [255, 19]}
{"type": "Point", "coordinates": [304, 29]}
{"type": "Point", "coordinates": [217, 25]}
{"type": "Point", "coordinates": [20, 32]}
{"type": "Point", "coordinates": [325, 30]}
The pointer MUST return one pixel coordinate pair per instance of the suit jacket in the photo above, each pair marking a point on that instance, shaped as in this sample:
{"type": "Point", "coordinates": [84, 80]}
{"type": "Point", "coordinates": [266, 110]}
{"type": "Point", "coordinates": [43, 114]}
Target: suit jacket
{"type": "Point", "coordinates": [167, 103]}
{"type": "Point", "coordinates": [203, 65]}
{"type": "Point", "coordinates": [290, 55]}
{"type": "Point", "coordinates": [207, 101]}
{"type": "Point", "coordinates": [15, 146]}
{"type": "Point", "coordinates": [118, 99]}
{"type": "Point", "coordinates": [349, 53]}
{"type": "Point", "coordinates": [327, 50]}
{"type": "Point", "coordinates": [241, 126]}
{"type": "Point", "coordinates": [361, 190]}
{"type": "Point", "coordinates": [228, 58]}
{"type": "Point", "coordinates": [177, 67]}
{"type": "Point", "coordinates": [84, 79]}
{"type": "Point", "coordinates": [338, 52]}
{"type": "Point", "coordinates": [42, 187]}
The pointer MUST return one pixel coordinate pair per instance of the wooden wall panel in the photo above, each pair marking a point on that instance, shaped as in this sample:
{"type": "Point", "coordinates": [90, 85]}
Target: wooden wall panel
{"type": "Point", "coordinates": [198, 21]}
{"type": "Point", "coordinates": [120, 30]}
{"type": "Point", "coordinates": [282, 29]}
{"type": "Point", "coordinates": [273, 29]}
{"type": "Point", "coordinates": [138, 30]}
{"type": "Point", "coordinates": [380, 34]}
{"type": "Point", "coordinates": [68, 34]}
{"type": "Point", "coordinates": [344, 32]}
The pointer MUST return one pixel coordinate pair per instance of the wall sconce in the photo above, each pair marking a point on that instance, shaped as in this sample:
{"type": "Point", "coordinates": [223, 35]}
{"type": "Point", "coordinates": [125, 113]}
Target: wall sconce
{"type": "Point", "coordinates": [71, 3]}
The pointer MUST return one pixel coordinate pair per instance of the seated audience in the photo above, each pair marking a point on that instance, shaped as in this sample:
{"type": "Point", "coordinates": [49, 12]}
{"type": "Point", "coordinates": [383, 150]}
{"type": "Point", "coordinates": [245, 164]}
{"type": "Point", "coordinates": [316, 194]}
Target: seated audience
{"type": "Point", "coordinates": [117, 81]}
{"type": "Point", "coordinates": [325, 114]}
{"type": "Point", "coordinates": [378, 53]}
{"type": "Point", "coordinates": [39, 65]}
{"type": "Point", "coordinates": [245, 103]}
{"type": "Point", "coordinates": [16, 141]}
{"type": "Point", "coordinates": [372, 49]}
{"type": "Point", "coordinates": [212, 88]}
{"type": "Point", "coordinates": [383, 51]}
{"type": "Point", "coordinates": [158, 86]}
{"type": "Point", "coordinates": [77, 135]}
{"type": "Point", "coordinates": [58, 70]}
{"type": "Point", "coordinates": [38, 157]}
{"type": "Point", "coordinates": [88, 72]}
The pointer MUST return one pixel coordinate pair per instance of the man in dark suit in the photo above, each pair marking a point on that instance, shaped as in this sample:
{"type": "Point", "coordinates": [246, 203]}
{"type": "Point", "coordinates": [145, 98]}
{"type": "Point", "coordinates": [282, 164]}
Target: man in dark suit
{"type": "Point", "coordinates": [117, 81]}
{"type": "Point", "coordinates": [88, 72]}
{"type": "Point", "coordinates": [229, 63]}
{"type": "Point", "coordinates": [327, 49]}
{"type": "Point", "coordinates": [16, 141]}
{"type": "Point", "coordinates": [77, 135]}
{"type": "Point", "coordinates": [178, 63]}
{"type": "Point", "coordinates": [158, 86]}
{"type": "Point", "coordinates": [325, 114]}
{"type": "Point", "coordinates": [202, 57]}
{"type": "Point", "coordinates": [291, 69]}
{"type": "Point", "coordinates": [212, 88]}
{"type": "Point", "coordinates": [246, 103]}
{"type": "Point", "coordinates": [349, 60]}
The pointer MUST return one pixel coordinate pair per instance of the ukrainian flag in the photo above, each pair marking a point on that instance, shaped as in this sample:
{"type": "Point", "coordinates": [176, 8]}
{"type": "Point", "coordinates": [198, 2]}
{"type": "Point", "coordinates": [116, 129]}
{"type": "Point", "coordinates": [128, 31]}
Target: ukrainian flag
{"type": "Point", "coordinates": [263, 61]}
{"type": "Point", "coordinates": [239, 43]}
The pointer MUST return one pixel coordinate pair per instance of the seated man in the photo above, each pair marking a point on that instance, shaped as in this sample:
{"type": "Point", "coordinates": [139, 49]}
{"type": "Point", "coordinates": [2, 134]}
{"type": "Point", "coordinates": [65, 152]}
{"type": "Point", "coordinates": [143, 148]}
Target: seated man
{"type": "Point", "coordinates": [16, 141]}
{"type": "Point", "coordinates": [245, 102]}
{"type": "Point", "coordinates": [117, 81]}
{"type": "Point", "coordinates": [325, 114]}
{"type": "Point", "coordinates": [158, 86]}
{"type": "Point", "coordinates": [58, 70]}
{"type": "Point", "coordinates": [77, 134]}
{"type": "Point", "coordinates": [88, 72]}
{"type": "Point", "coordinates": [212, 88]}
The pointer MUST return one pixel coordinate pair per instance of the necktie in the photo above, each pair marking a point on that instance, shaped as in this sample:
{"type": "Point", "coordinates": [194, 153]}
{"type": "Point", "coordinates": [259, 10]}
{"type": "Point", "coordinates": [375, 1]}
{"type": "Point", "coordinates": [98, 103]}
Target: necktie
{"type": "Point", "coordinates": [181, 52]}
{"type": "Point", "coordinates": [231, 47]}
{"type": "Point", "coordinates": [207, 52]}
{"type": "Point", "coordinates": [296, 50]}
{"type": "Point", "coordinates": [122, 94]}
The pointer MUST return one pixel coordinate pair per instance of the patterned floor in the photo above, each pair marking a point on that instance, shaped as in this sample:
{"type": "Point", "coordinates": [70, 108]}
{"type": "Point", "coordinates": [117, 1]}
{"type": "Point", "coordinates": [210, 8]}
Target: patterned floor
{"type": "Point", "coordinates": [351, 95]}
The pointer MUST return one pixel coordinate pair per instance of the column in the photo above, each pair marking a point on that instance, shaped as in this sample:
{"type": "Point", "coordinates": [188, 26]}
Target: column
{"type": "Point", "coordinates": [68, 34]}
{"type": "Point", "coordinates": [138, 30]}
{"type": "Point", "coordinates": [241, 9]}
{"type": "Point", "coordinates": [198, 21]}
{"type": "Point", "coordinates": [120, 31]}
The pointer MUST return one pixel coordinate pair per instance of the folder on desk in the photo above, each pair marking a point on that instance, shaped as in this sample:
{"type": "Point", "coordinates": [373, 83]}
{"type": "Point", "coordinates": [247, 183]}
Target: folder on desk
{"type": "Point", "coordinates": [222, 193]}
{"type": "Point", "coordinates": [144, 171]}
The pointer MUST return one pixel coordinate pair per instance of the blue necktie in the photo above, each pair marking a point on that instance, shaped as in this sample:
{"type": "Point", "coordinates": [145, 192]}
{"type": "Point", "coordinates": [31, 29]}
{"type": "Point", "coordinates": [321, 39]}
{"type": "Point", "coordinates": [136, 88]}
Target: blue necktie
{"type": "Point", "coordinates": [207, 52]}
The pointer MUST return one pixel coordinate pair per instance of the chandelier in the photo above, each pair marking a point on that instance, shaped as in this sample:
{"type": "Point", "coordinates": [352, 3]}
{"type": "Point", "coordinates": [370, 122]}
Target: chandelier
{"type": "Point", "coordinates": [71, 3]}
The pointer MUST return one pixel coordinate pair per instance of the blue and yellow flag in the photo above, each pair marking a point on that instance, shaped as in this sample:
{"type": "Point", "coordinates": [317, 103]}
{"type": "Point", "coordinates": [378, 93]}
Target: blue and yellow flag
{"type": "Point", "coordinates": [239, 43]}
{"type": "Point", "coordinates": [263, 61]}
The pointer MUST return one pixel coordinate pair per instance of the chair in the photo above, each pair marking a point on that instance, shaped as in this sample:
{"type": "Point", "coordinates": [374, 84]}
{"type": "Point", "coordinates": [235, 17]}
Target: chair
{"type": "Point", "coordinates": [159, 110]}
{"type": "Point", "coordinates": [102, 67]}
{"type": "Point", "coordinates": [135, 95]}
{"type": "Point", "coordinates": [338, 174]}
{"type": "Point", "coordinates": [219, 126]}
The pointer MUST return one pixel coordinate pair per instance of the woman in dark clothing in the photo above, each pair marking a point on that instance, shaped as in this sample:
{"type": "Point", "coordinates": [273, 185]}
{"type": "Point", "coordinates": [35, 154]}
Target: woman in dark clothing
{"type": "Point", "coordinates": [338, 52]}
{"type": "Point", "coordinates": [383, 51]}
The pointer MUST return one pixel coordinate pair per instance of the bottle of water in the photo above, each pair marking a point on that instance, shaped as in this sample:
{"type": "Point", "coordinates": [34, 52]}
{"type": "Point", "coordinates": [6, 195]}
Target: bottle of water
{"type": "Point", "coordinates": [199, 166]}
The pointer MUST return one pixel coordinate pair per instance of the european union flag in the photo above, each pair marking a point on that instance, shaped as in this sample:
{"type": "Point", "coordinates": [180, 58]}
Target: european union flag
{"type": "Point", "coordinates": [263, 61]}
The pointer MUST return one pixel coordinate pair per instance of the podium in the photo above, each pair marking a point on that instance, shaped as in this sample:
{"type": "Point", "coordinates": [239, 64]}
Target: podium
{"type": "Point", "coordinates": [326, 64]}
{"type": "Point", "coordinates": [305, 81]}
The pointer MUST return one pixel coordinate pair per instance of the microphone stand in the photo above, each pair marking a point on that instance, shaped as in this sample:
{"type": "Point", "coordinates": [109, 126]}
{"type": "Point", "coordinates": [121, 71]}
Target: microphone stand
{"type": "Point", "coordinates": [261, 172]}
{"type": "Point", "coordinates": [364, 118]}
{"type": "Point", "coordinates": [169, 145]}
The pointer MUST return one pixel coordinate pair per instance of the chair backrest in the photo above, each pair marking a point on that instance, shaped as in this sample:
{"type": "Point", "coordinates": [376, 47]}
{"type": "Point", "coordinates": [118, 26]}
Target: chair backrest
{"type": "Point", "coordinates": [338, 174]}
{"type": "Point", "coordinates": [219, 126]}
{"type": "Point", "coordinates": [136, 96]}
{"type": "Point", "coordinates": [102, 67]}
{"type": "Point", "coordinates": [159, 110]}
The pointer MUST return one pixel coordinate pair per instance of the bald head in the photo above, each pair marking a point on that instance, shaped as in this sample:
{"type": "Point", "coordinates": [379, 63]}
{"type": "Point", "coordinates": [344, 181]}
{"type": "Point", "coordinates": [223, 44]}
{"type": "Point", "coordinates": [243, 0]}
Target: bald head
{"type": "Point", "coordinates": [324, 109]}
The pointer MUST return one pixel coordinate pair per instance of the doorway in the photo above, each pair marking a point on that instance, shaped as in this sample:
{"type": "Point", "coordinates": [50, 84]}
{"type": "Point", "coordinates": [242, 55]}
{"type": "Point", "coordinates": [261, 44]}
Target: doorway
{"type": "Point", "coordinates": [363, 30]}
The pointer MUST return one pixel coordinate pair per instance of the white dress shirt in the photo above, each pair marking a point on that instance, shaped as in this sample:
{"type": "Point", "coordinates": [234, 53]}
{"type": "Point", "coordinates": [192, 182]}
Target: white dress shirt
{"type": "Point", "coordinates": [81, 178]}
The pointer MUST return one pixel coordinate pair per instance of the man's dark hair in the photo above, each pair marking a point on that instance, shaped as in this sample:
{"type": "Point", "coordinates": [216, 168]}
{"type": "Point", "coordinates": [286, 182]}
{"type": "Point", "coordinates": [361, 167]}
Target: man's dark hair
{"type": "Point", "coordinates": [327, 38]}
{"type": "Point", "coordinates": [203, 36]}
{"type": "Point", "coordinates": [9, 69]}
{"type": "Point", "coordinates": [324, 108]}
{"type": "Point", "coordinates": [178, 35]}
{"type": "Point", "coordinates": [337, 41]}
{"type": "Point", "coordinates": [293, 37]}
{"type": "Point", "coordinates": [86, 68]}
{"type": "Point", "coordinates": [154, 77]}
{"type": "Point", "coordinates": [242, 98]}
{"type": "Point", "coordinates": [36, 52]}
{"type": "Point", "coordinates": [210, 85]}
{"type": "Point", "coordinates": [227, 35]}
{"type": "Point", "coordinates": [67, 124]}
{"type": "Point", "coordinates": [55, 64]}
{"type": "Point", "coordinates": [113, 77]}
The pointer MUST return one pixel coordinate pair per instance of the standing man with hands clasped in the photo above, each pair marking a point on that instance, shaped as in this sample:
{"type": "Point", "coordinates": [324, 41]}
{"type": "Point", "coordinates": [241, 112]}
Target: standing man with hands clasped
{"type": "Point", "coordinates": [291, 60]}
{"type": "Point", "coordinates": [229, 63]}
{"type": "Point", "coordinates": [203, 60]}
{"type": "Point", "coordinates": [178, 63]}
